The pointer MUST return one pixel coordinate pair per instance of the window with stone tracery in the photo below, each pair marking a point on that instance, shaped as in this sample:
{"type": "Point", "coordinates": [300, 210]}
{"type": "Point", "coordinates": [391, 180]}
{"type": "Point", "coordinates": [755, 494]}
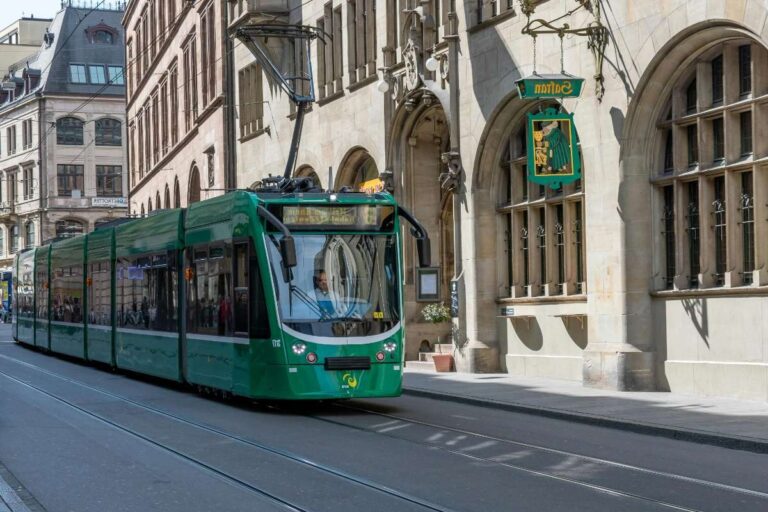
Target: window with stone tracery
{"type": "Point", "coordinates": [542, 229]}
{"type": "Point", "coordinates": [710, 187]}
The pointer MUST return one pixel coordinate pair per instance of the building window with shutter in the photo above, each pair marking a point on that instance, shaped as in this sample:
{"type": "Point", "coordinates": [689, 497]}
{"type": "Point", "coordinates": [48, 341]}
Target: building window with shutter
{"type": "Point", "coordinates": [361, 34]}
{"type": "Point", "coordinates": [109, 180]}
{"type": "Point", "coordinates": [69, 177]}
{"type": "Point", "coordinates": [251, 91]}
{"type": "Point", "coordinates": [10, 140]}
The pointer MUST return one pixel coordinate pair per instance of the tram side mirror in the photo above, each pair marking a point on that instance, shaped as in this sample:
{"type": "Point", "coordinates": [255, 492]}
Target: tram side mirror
{"type": "Point", "coordinates": [288, 251]}
{"type": "Point", "coordinates": [425, 253]}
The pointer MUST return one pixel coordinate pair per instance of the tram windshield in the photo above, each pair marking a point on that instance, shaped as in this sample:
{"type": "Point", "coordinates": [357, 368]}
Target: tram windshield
{"type": "Point", "coordinates": [342, 285]}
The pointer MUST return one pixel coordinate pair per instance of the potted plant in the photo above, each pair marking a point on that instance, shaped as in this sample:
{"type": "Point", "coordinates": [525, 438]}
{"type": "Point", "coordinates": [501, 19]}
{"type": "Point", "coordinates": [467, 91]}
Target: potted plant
{"type": "Point", "coordinates": [437, 313]}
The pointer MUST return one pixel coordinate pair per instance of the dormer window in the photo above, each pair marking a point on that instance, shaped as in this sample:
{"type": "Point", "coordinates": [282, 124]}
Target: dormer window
{"type": "Point", "coordinates": [103, 37]}
{"type": "Point", "coordinates": [102, 34]}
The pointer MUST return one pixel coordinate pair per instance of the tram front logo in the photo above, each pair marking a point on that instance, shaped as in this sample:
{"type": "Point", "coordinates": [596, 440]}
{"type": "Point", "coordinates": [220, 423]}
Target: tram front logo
{"type": "Point", "coordinates": [349, 380]}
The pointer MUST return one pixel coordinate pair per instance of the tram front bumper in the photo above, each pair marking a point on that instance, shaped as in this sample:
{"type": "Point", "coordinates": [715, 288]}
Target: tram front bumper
{"type": "Point", "coordinates": [315, 382]}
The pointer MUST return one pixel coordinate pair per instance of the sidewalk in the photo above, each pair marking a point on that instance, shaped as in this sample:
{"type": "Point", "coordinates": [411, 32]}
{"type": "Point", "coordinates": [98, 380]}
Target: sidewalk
{"type": "Point", "coordinates": [725, 422]}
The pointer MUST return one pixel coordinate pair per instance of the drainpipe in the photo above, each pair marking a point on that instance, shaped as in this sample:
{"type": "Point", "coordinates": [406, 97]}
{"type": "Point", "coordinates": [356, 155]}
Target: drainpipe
{"type": "Point", "coordinates": [228, 72]}
{"type": "Point", "coordinates": [41, 162]}
{"type": "Point", "coordinates": [453, 66]}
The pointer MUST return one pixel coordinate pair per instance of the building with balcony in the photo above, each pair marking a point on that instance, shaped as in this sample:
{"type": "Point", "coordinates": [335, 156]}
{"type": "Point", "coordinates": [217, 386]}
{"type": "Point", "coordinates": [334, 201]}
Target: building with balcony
{"type": "Point", "coordinates": [648, 273]}
{"type": "Point", "coordinates": [180, 122]}
{"type": "Point", "coordinates": [62, 132]}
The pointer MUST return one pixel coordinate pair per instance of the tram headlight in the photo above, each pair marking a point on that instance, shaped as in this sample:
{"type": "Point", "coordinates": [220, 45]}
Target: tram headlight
{"type": "Point", "coordinates": [390, 346]}
{"type": "Point", "coordinates": [299, 348]}
{"type": "Point", "coordinates": [380, 356]}
{"type": "Point", "coordinates": [311, 357]}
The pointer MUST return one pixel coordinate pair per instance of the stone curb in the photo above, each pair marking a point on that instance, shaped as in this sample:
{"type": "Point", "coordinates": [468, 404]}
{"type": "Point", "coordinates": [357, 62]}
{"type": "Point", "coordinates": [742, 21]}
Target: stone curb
{"type": "Point", "coordinates": [681, 434]}
{"type": "Point", "coordinates": [11, 500]}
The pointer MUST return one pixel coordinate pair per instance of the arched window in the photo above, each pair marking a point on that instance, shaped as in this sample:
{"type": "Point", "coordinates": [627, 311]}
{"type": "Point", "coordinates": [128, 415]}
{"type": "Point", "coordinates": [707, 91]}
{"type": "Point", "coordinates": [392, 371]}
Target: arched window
{"type": "Point", "coordinates": [29, 235]}
{"type": "Point", "coordinates": [158, 204]}
{"type": "Point", "coordinates": [167, 197]}
{"type": "Point", "coordinates": [143, 212]}
{"type": "Point", "coordinates": [543, 228]}
{"type": "Point", "coordinates": [194, 186]}
{"type": "Point", "coordinates": [356, 169]}
{"type": "Point", "coordinates": [109, 132]}
{"type": "Point", "coordinates": [14, 239]}
{"type": "Point", "coordinates": [149, 206]}
{"type": "Point", "coordinates": [307, 171]}
{"type": "Point", "coordinates": [2, 242]}
{"type": "Point", "coordinates": [176, 193]}
{"type": "Point", "coordinates": [103, 37]}
{"type": "Point", "coordinates": [68, 228]}
{"type": "Point", "coordinates": [69, 131]}
{"type": "Point", "coordinates": [706, 189]}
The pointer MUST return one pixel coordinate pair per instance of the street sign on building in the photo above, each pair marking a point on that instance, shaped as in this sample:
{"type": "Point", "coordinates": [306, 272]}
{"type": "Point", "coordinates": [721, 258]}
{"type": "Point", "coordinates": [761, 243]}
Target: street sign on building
{"type": "Point", "coordinates": [109, 202]}
{"type": "Point", "coordinates": [549, 86]}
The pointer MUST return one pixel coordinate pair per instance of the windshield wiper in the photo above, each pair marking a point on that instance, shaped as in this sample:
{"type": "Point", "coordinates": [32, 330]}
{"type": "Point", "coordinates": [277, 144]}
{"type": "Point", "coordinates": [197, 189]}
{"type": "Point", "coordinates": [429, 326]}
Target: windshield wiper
{"type": "Point", "coordinates": [309, 302]}
{"type": "Point", "coordinates": [342, 319]}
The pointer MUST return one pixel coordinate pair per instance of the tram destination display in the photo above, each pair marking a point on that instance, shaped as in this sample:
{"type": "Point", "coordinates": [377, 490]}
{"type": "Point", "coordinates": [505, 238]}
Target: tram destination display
{"type": "Point", "coordinates": [346, 217]}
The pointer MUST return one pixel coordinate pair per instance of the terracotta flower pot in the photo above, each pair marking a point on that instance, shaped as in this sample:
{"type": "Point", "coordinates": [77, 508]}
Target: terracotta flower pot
{"type": "Point", "coordinates": [443, 362]}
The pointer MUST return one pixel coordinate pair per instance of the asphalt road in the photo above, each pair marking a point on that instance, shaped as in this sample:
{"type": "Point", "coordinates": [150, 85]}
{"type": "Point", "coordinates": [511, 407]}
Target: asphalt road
{"type": "Point", "coordinates": [79, 438]}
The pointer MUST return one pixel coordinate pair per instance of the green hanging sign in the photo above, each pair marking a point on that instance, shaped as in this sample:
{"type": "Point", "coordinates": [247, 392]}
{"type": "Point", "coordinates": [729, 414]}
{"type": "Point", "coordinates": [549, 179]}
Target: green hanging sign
{"type": "Point", "coordinates": [553, 148]}
{"type": "Point", "coordinates": [549, 86]}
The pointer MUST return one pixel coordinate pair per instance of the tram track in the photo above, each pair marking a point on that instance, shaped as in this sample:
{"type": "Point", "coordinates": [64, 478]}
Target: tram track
{"type": "Point", "coordinates": [414, 500]}
{"type": "Point", "coordinates": [588, 458]}
{"type": "Point", "coordinates": [529, 446]}
{"type": "Point", "coordinates": [404, 420]}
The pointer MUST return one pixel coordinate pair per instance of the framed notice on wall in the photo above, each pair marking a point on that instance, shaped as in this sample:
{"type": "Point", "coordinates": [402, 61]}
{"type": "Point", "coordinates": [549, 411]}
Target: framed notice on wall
{"type": "Point", "coordinates": [427, 284]}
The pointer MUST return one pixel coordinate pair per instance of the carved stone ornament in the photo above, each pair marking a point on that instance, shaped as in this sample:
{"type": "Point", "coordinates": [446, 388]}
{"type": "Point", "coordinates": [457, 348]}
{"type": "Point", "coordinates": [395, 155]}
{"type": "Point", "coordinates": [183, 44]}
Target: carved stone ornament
{"type": "Point", "coordinates": [411, 59]}
{"type": "Point", "coordinates": [450, 178]}
{"type": "Point", "coordinates": [443, 69]}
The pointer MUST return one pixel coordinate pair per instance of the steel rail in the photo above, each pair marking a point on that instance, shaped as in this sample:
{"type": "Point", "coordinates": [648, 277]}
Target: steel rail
{"type": "Point", "coordinates": [589, 458]}
{"type": "Point", "coordinates": [275, 451]}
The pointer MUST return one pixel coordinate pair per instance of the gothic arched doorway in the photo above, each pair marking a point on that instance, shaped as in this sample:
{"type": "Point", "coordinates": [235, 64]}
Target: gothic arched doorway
{"type": "Point", "coordinates": [420, 140]}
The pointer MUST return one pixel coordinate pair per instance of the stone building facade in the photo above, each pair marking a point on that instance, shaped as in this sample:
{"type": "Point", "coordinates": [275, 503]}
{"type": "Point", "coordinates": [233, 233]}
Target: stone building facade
{"type": "Point", "coordinates": [179, 122]}
{"type": "Point", "coordinates": [649, 273]}
{"type": "Point", "coordinates": [21, 39]}
{"type": "Point", "coordinates": [62, 127]}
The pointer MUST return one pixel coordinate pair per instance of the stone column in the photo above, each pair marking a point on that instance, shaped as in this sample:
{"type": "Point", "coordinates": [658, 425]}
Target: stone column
{"type": "Point", "coordinates": [618, 231]}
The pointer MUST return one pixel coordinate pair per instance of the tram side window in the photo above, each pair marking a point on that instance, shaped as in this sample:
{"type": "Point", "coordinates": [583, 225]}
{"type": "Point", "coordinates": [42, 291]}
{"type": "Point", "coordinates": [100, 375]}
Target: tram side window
{"type": "Point", "coordinates": [25, 295]}
{"type": "Point", "coordinates": [146, 292]}
{"type": "Point", "coordinates": [41, 293]}
{"type": "Point", "coordinates": [259, 318]}
{"type": "Point", "coordinates": [99, 302]}
{"type": "Point", "coordinates": [67, 294]}
{"type": "Point", "coordinates": [225, 293]}
{"type": "Point", "coordinates": [209, 291]}
{"type": "Point", "coordinates": [241, 289]}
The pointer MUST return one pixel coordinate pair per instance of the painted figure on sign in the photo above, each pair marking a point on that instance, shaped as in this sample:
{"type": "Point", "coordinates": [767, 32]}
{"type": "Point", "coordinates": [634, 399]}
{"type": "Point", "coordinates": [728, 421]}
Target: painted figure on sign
{"type": "Point", "coordinates": [558, 150]}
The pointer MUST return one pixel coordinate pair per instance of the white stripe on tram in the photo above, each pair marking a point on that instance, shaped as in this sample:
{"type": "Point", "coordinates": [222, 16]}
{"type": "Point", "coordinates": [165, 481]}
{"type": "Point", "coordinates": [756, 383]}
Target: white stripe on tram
{"type": "Point", "coordinates": [343, 340]}
{"type": "Point", "coordinates": [218, 339]}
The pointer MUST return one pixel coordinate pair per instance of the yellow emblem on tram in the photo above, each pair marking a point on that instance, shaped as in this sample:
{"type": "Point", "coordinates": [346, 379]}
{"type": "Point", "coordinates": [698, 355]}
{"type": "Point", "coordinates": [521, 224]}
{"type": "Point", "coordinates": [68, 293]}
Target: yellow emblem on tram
{"type": "Point", "coordinates": [350, 380]}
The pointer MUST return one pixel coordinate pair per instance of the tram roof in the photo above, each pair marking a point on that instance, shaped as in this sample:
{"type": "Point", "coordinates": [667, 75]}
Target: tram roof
{"type": "Point", "coordinates": [326, 198]}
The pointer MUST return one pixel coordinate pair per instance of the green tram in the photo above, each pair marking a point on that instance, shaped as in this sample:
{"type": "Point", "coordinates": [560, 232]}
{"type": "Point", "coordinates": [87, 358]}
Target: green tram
{"type": "Point", "coordinates": [264, 295]}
